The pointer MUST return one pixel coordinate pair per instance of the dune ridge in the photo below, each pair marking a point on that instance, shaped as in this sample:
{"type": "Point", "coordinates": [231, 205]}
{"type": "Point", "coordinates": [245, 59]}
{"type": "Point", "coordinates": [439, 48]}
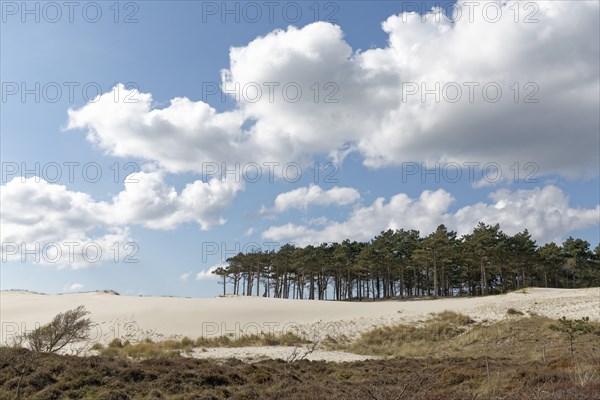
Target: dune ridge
{"type": "Point", "coordinates": [158, 318]}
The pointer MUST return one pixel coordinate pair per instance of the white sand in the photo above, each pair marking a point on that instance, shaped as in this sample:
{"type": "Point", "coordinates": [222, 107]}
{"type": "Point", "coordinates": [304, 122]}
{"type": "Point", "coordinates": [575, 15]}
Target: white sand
{"type": "Point", "coordinates": [158, 318]}
{"type": "Point", "coordinates": [275, 352]}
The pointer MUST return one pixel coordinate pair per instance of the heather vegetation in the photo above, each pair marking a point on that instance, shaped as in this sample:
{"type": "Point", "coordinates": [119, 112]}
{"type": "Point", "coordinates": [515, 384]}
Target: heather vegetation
{"type": "Point", "coordinates": [445, 356]}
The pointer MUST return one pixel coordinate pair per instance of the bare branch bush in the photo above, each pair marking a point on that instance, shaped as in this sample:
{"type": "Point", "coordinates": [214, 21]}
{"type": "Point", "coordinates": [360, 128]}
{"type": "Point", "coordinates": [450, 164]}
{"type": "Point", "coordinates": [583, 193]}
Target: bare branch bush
{"type": "Point", "coordinates": [298, 355]}
{"type": "Point", "coordinates": [65, 328]}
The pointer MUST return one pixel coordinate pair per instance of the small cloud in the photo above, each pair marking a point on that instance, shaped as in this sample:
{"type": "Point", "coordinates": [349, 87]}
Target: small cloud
{"type": "Point", "coordinates": [482, 183]}
{"type": "Point", "coordinates": [185, 276]}
{"type": "Point", "coordinates": [303, 197]}
{"type": "Point", "coordinates": [266, 213]}
{"type": "Point", "coordinates": [74, 287]}
{"type": "Point", "coordinates": [207, 274]}
{"type": "Point", "coordinates": [249, 232]}
{"type": "Point", "coordinates": [318, 221]}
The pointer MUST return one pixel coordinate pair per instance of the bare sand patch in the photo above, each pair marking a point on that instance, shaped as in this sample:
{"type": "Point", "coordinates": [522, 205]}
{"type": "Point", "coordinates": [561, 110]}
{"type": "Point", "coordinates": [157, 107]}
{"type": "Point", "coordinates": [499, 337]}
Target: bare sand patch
{"type": "Point", "coordinates": [136, 318]}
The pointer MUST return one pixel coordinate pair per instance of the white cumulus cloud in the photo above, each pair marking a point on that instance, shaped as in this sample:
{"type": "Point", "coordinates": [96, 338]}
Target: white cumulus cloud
{"type": "Point", "coordinates": [366, 102]}
{"type": "Point", "coordinates": [48, 224]}
{"type": "Point", "coordinates": [544, 211]}
{"type": "Point", "coordinates": [69, 228]}
{"type": "Point", "coordinates": [151, 202]}
{"type": "Point", "coordinates": [303, 197]}
{"type": "Point", "coordinates": [207, 274]}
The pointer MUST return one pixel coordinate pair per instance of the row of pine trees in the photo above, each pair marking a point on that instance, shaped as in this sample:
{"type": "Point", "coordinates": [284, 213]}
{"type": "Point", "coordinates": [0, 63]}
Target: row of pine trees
{"type": "Point", "coordinates": [401, 263]}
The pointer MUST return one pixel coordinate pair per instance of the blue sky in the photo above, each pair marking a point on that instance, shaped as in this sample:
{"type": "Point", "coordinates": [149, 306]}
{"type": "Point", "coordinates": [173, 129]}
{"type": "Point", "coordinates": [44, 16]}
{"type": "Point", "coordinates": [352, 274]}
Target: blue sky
{"type": "Point", "coordinates": [370, 54]}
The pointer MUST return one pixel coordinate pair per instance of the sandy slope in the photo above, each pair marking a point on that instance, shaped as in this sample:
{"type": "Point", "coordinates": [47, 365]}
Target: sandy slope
{"type": "Point", "coordinates": [164, 317]}
{"type": "Point", "coordinates": [275, 352]}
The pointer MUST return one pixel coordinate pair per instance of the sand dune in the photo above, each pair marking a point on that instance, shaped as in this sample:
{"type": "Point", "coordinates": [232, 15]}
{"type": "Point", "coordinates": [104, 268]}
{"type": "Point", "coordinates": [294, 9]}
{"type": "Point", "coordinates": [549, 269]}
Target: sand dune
{"type": "Point", "coordinates": [171, 317]}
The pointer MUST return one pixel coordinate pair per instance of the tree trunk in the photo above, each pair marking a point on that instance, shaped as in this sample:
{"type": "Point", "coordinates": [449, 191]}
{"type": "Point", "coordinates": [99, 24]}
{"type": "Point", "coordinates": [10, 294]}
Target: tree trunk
{"type": "Point", "coordinates": [483, 279]}
{"type": "Point", "coordinates": [435, 276]}
{"type": "Point", "coordinates": [258, 282]}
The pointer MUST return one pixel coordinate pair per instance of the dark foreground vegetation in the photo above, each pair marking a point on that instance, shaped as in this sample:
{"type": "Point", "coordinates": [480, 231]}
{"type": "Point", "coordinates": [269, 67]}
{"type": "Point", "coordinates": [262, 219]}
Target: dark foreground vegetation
{"type": "Point", "coordinates": [69, 377]}
{"type": "Point", "coordinates": [448, 356]}
{"type": "Point", "coordinates": [403, 263]}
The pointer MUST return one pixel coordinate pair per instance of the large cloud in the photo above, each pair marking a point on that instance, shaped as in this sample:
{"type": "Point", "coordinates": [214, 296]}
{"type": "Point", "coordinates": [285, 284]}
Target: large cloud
{"type": "Point", "coordinates": [37, 213]}
{"type": "Point", "coordinates": [559, 133]}
{"type": "Point", "coordinates": [373, 111]}
{"type": "Point", "coordinates": [180, 137]}
{"type": "Point", "coordinates": [46, 223]}
{"type": "Point", "coordinates": [151, 202]}
{"type": "Point", "coordinates": [544, 211]}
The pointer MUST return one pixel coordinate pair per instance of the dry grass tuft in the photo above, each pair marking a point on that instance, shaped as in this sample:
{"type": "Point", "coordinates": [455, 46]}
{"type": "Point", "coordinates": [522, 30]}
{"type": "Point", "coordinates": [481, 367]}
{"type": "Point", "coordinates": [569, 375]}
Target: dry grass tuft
{"type": "Point", "coordinates": [148, 349]}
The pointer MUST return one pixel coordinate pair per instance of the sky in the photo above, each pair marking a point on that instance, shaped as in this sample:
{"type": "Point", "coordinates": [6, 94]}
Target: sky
{"type": "Point", "coordinates": [144, 142]}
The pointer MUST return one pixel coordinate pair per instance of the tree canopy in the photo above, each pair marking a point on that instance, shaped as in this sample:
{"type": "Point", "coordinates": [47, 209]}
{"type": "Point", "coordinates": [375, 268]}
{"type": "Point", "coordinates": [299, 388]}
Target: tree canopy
{"type": "Point", "coordinates": [402, 263]}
